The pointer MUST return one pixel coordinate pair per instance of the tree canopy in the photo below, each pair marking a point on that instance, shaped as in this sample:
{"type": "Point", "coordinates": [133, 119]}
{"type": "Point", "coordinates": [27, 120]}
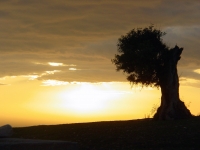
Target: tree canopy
{"type": "Point", "coordinates": [148, 61]}
{"type": "Point", "coordinates": [142, 55]}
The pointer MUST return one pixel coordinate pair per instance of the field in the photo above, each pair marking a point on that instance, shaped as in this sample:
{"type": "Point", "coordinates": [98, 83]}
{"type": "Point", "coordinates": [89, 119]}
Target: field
{"type": "Point", "coordinates": [121, 135]}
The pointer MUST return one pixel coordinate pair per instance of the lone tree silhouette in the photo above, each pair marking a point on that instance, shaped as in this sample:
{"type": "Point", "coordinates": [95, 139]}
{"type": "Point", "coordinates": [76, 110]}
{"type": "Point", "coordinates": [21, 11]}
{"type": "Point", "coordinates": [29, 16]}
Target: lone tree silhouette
{"type": "Point", "coordinates": [148, 61]}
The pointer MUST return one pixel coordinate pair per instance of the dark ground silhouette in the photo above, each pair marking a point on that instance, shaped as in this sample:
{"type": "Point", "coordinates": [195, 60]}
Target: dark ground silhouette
{"type": "Point", "coordinates": [121, 135]}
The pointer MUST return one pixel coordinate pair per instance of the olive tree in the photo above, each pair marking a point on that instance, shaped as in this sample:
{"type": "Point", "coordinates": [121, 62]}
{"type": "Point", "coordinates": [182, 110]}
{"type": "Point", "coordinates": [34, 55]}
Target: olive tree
{"type": "Point", "coordinates": [148, 61]}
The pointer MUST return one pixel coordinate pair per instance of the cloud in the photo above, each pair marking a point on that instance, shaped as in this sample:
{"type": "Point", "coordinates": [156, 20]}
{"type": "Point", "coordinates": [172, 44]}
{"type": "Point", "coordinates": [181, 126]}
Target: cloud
{"type": "Point", "coordinates": [40, 36]}
{"type": "Point", "coordinates": [55, 64]}
{"type": "Point", "coordinates": [190, 82]}
{"type": "Point", "coordinates": [72, 69]}
{"type": "Point", "coordinates": [53, 83]}
{"type": "Point", "coordinates": [197, 71]}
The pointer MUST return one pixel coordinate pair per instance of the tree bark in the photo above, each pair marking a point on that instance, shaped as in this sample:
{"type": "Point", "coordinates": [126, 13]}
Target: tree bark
{"type": "Point", "coordinates": [171, 107]}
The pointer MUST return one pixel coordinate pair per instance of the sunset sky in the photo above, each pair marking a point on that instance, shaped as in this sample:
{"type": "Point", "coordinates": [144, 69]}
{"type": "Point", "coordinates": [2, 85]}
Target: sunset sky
{"type": "Point", "coordinates": [55, 58]}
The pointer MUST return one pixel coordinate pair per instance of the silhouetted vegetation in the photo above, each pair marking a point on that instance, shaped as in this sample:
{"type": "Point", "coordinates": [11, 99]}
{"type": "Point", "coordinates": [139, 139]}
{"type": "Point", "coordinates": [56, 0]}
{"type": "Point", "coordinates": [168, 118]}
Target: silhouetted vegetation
{"type": "Point", "coordinates": [148, 61]}
{"type": "Point", "coordinates": [121, 135]}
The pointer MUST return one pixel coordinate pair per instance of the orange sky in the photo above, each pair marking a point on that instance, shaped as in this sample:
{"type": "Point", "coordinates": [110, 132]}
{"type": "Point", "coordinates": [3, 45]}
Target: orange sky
{"type": "Point", "coordinates": [55, 58]}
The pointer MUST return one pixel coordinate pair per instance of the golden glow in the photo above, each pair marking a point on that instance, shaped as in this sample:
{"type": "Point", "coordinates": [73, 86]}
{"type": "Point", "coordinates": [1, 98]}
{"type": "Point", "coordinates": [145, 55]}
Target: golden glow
{"type": "Point", "coordinates": [81, 99]}
{"type": "Point", "coordinates": [87, 99]}
{"type": "Point", "coordinates": [25, 102]}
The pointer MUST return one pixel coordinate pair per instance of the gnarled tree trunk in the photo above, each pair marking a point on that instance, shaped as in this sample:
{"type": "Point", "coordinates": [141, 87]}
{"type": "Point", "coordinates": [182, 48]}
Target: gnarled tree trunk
{"type": "Point", "coordinates": [171, 106]}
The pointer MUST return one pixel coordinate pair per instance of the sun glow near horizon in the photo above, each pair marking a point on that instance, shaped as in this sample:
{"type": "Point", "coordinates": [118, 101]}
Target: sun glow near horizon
{"type": "Point", "coordinates": [80, 99]}
{"type": "Point", "coordinates": [70, 102]}
{"type": "Point", "coordinates": [82, 102]}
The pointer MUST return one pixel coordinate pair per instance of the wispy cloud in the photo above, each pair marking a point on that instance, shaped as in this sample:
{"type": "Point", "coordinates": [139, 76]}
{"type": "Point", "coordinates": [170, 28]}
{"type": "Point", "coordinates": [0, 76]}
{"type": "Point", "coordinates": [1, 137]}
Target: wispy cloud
{"type": "Point", "coordinates": [36, 76]}
{"type": "Point", "coordinates": [3, 84]}
{"type": "Point", "coordinates": [197, 71]}
{"type": "Point", "coordinates": [53, 83]}
{"type": "Point", "coordinates": [56, 64]}
{"type": "Point", "coordinates": [190, 82]}
{"type": "Point", "coordinates": [72, 69]}
{"type": "Point", "coordinates": [31, 77]}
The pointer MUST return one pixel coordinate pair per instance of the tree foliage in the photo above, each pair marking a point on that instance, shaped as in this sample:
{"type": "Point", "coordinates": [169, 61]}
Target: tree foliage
{"type": "Point", "coordinates": [143, 56]}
